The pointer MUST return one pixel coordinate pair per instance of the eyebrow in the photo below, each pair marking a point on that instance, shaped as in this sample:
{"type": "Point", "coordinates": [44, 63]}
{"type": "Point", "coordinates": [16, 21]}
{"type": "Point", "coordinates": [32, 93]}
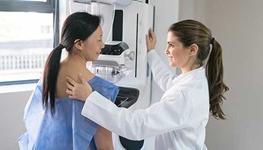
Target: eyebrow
{"type": "Point", "coordinates": [169, 42]}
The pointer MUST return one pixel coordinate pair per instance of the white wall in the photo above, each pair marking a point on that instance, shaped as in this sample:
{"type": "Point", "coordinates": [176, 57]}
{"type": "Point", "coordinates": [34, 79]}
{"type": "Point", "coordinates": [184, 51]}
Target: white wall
{"type": "Point", "coordinates": [192, 9]}
{"type": "Point", "coordinates": [237, 25]}
{"type": "Point", "coordinates": [11, 118]}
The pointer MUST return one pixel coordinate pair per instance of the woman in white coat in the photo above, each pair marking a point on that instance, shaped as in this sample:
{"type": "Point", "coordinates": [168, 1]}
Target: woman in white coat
{"type": "Point", "coordinates": [179, 119]}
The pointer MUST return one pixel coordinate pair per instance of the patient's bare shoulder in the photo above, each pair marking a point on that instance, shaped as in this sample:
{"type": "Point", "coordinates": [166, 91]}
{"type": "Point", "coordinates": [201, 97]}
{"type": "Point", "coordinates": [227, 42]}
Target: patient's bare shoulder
{"type": "Point", "coordinates": [69, 70]}
{"type": "Point", "coordinates": [87, 75]}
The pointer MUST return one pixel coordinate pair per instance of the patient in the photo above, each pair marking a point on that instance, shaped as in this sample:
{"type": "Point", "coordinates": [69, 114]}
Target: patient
{"type": "Point", "coordinates": [53, 121]}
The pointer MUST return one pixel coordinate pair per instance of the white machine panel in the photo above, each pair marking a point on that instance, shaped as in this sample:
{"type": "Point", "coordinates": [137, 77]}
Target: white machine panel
{"type": "Point", "coordinates": [128, 69]}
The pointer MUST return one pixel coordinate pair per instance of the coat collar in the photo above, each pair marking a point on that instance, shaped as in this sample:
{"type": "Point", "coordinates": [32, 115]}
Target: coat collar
{"type": "Point", "coordinates": [189, 75]}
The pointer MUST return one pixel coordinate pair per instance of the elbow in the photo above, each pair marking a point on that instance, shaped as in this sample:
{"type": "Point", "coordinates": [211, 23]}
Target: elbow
{"type": "Point", "coordinates": [135, 135]}
{"type": "Point", "coordinates": [105, 148]}
{"type": "Point", "coordinates": [137, 138]}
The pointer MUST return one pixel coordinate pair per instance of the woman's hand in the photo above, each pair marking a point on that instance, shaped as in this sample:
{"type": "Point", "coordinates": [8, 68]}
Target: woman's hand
{"type": "Point", "coordinates": [150, 40]}
{"type": "Point", "coordinates": [78, 90]}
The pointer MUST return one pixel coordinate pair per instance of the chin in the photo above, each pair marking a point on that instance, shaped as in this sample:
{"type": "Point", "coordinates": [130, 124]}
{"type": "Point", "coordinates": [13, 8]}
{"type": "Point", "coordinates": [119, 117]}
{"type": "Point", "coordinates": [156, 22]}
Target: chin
{"type": "Point", "coordinates": [173, 65]}
{"type": "Point", "coordinates": [96, 58]}
{"type": "Point", "coordinates": [93, 59]}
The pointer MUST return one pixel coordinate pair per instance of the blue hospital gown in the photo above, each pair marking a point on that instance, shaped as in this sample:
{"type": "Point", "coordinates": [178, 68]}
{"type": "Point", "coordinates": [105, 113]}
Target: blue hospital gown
{"type": "Point", "coordinates": [67, 129]}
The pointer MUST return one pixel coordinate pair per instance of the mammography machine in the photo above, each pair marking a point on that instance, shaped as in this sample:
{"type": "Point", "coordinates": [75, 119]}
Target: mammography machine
{"type": "Point", "coordinates": [123, 61]}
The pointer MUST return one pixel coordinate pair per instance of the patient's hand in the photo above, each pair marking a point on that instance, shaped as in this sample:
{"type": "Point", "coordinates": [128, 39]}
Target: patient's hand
{"type": "Point", "coordinates": [78, 90]}
{"type": "Point", "coordinates": [103, 139]}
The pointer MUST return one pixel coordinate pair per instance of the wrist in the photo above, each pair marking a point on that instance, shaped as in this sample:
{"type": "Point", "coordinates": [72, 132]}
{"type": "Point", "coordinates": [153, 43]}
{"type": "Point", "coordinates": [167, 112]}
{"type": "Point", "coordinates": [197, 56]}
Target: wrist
{"type": "Point", "coordinates": [84, 98]}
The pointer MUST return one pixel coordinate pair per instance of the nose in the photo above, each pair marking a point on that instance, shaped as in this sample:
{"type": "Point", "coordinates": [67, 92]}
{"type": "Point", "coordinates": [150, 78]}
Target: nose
{"type": "Point", "coordinates": [166, 50]}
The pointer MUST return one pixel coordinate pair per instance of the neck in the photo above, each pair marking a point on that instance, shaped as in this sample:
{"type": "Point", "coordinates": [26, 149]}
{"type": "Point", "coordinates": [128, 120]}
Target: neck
{"type": "Point", "coordinates": [190, 65]}
{"type": "Point", "coordinates": [190, 68]}
{"type": "Point", "coordinates": [77, 60]}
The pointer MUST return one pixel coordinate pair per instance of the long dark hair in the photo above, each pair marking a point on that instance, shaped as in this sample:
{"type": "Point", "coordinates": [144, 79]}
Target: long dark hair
{"type": "Point", "coordinates": [193, 32]}
{"type": "Point", "coordinates": [79, 25]}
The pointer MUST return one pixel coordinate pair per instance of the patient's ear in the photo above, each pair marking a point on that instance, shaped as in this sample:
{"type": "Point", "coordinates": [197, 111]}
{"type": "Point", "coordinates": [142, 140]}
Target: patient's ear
{"type": "Point", "coordinates": [79, 44]}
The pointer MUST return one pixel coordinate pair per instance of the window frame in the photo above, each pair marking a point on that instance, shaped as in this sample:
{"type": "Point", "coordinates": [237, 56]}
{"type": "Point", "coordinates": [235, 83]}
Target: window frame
{"type": "Point", "coordinates": [50, 6]}
{"type": "Point", "coordinates": [28, 6]}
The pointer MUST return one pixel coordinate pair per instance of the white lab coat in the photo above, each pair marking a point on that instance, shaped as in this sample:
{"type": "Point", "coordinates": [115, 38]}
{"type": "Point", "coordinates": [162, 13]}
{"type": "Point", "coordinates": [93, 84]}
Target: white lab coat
{"type": "Point", "coordinates": [178, 121]}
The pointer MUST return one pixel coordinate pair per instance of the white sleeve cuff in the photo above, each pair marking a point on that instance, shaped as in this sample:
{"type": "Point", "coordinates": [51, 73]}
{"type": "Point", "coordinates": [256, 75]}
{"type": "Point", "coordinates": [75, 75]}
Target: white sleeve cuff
{"type": "Point", "coordinates": [152, 57]}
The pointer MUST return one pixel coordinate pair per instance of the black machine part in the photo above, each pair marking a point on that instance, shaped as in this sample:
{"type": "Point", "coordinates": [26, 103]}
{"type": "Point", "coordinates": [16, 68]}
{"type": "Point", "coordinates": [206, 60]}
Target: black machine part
{"type": "Point", "coordinates": [126, 98]}
{"type": "Point", "coordinates": [131, 144]}
{"type": "Point", "coordinates": [116, 49]}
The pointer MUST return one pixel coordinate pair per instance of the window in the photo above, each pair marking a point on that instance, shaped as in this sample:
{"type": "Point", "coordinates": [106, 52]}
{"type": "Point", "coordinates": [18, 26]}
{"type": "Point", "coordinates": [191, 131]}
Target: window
{"type": "Point", "coordinates": [26, 38]}
{"type": "Point", "coordinates": [26, 0]}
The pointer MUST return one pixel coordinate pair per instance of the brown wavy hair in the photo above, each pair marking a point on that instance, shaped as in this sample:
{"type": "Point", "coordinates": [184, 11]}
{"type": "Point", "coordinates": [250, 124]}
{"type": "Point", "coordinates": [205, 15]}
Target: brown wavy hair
{"type": "Point", "coordinates": [193, 32]}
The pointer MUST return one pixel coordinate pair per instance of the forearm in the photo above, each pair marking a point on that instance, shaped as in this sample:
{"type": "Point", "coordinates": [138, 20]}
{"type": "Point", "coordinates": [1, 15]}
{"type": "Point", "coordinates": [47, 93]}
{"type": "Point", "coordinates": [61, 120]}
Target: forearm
{"type": "Point", "coordinates": [138, 124]}
{"type": "Point", "coordinates": [162, 75]}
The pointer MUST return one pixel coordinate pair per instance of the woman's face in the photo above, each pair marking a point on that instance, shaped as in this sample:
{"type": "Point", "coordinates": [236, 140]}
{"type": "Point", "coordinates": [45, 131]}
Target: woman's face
{"type": "Point", "coordinates": [178, 55]}
{"type": "Point", "coordinates": [93, 45]}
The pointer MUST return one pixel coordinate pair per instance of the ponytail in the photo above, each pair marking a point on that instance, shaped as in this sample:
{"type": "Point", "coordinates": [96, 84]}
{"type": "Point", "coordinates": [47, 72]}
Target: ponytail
{"type": "Point", "coordinates": [214, 73]}
{"type": "Point", "coordinates": [77, 26]}
{"type": "Point", "coordinates": [50, 78]}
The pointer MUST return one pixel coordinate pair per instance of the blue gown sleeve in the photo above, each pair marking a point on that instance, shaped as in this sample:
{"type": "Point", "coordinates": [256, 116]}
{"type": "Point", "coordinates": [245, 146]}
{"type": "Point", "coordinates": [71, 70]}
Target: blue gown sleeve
{"type": "Point", "coordinates": [105, 88]}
